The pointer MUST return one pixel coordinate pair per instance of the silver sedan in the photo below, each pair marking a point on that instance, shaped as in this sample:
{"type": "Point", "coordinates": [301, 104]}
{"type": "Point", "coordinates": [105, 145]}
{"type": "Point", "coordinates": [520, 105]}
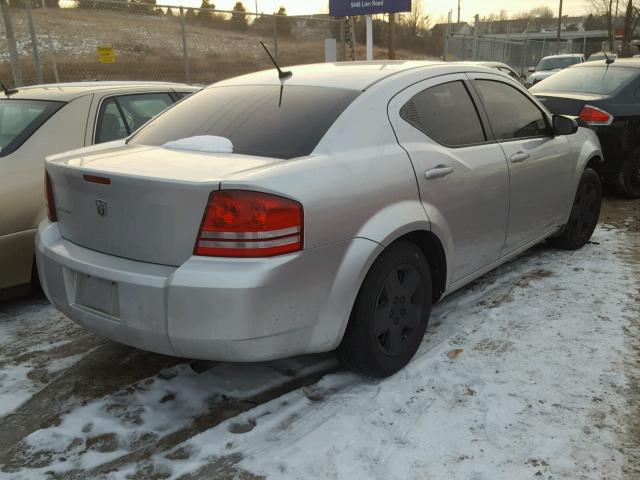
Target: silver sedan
{"type": "Point", "coordinates": [266, 217]}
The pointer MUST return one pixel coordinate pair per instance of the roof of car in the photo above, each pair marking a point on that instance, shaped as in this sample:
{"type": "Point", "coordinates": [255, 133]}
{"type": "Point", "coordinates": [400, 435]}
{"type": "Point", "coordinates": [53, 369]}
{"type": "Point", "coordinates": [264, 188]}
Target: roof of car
{"type": "Point", "coordinates": [564, 55]}
{"type": "Point", "coordinates": [620, 62]}
{"type": "Point", "coordinates": [348, 75]}
{"type": "Point", "coordinates": [486, 64]}
{"type": "Point", "coordinates": [65, 92]}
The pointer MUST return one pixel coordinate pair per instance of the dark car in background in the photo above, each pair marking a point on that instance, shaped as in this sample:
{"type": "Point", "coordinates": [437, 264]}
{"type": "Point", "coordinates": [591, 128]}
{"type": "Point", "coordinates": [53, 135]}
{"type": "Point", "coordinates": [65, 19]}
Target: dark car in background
{"type": "Point", "coordinates": [607, 97]}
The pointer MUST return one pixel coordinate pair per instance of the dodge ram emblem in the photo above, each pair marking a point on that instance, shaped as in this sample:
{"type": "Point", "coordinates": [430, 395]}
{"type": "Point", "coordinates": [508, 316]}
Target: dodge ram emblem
{"type": "Point", "coordinates": [101, 205]}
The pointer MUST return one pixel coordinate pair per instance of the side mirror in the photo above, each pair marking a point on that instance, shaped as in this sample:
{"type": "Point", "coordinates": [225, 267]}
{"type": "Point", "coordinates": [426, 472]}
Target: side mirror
{"type": "Point", "coordinates": [531, 69]}
{"type": "Point", "coordinates": [564, 125]}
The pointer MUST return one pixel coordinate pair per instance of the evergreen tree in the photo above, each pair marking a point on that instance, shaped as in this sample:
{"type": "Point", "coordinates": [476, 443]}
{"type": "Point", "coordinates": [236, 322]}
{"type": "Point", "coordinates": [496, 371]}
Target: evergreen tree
{"type": "Point", "coordinates": [239, 17]}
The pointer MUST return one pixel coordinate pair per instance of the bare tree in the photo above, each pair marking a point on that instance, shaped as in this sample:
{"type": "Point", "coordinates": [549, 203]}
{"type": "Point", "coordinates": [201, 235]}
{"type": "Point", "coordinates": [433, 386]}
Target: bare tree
{"type": "Point", "coordinates": [416, 20]}
{"type": "Point", "coordinates": [605, 8]}
{"type": "Point", "coordinates": [631, 21]}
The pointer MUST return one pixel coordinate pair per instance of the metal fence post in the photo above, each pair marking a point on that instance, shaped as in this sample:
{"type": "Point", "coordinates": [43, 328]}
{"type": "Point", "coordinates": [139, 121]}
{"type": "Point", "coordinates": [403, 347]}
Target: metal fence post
{"type": "Point", "coordinates": [476, 34]}
{"type": "Point", "coordinates": [342, 40]}
{"type": "Point", "coordinates": [275, 36]}
{"type": "Point", "coordinates": [353, 39]}
{"type": "Point", "coordinates": [185, 53]}
{"type": "Point", "coordinates": [34, 42]}
{"type": "Point", "coordinates": [11, 41]}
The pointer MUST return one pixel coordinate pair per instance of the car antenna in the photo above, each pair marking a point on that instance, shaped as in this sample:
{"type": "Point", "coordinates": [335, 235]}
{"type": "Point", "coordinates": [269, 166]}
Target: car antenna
{"type": "Point", "coordinates": [8, 91]}
{"type": "Point", "coordinates": [282, 75]}
{"type": "Point", "coordinates": [609, 59]}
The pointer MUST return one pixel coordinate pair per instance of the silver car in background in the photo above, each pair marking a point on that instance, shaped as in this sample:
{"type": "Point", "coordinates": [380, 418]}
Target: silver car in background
{"type": "Point", "coordinates": [42, 120]}
{"type": "Point", "coordinates": [551, 65]}
{"type": "Point", "coordinates": [266, 217]}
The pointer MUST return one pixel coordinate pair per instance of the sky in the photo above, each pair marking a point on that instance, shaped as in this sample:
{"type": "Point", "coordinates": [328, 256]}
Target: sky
{"type": "Point", "coordinates": [437, 9]}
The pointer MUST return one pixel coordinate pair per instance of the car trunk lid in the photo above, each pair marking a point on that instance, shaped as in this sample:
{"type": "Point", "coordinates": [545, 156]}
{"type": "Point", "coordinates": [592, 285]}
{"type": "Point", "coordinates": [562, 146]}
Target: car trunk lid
{"type": "Point", "coordinates": [567, 103]}
{"type": "Point", "coordinates": [142, 203]}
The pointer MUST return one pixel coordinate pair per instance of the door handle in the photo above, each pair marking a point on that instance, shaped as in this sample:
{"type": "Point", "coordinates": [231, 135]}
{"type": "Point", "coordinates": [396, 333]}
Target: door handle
{"type": "Point", "coordinates": [519, 157]}
{"type": "Point", "coordinates": [438, 172]}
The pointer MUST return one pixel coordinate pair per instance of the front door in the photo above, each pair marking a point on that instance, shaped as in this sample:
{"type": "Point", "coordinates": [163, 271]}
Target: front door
{"type": "Point", "coordinates": [541, 166]}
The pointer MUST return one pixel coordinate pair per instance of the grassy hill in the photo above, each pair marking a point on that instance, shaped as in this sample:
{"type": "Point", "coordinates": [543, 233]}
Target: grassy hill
{"type": "Point", "coordinates": [149, 47]}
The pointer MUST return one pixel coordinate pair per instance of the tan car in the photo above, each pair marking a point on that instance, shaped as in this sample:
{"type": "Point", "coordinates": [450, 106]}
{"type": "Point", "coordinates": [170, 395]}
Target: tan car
{"type": "Point", "coordinates": [42, 120]}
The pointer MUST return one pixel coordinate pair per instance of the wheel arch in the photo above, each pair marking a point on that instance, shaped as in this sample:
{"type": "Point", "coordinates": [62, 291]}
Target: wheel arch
{"type": "Point", "coordinates": [595, 163]}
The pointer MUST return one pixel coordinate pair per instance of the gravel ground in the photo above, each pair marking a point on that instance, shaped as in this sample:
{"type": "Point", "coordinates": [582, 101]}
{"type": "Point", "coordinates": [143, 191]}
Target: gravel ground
{"type": "Point", "coordinates": [530, 372]}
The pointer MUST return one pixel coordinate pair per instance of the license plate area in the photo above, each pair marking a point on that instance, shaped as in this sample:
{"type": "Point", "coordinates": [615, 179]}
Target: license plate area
{"type": "Point", "coordinates": [97, 294]}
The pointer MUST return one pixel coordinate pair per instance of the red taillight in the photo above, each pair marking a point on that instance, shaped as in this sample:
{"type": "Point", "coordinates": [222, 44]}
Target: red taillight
{"type": "Point", "coordinates": [242, 223]}
{"type": "Point", "coordinates": [48, 195]}
{"type": "Point", "coordinates": [595, 116]}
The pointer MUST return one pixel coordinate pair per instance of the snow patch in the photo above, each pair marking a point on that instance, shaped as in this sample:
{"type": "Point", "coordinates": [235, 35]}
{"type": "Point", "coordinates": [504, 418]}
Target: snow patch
{"type": "Point", "coordinates": [202, 143]}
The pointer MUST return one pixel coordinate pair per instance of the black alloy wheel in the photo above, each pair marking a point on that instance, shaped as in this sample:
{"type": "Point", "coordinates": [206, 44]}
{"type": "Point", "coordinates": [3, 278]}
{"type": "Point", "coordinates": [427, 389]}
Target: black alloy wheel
{"type": "Point", "coordinates": [399, 309]}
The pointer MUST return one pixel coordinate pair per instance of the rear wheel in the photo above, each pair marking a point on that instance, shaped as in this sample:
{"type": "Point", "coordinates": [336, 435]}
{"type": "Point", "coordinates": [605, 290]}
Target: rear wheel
{"type": "Point", "coordinates": [629, 178]}
{"type": "Point", "coordinates": [391, 312]}
{"type": "Point", "coordinates": [584, 214]}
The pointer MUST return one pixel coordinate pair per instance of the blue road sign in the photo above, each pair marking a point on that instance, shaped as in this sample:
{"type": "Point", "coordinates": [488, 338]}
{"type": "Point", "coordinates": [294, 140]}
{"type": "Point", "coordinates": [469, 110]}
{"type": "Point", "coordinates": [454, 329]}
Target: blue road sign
{"type": "Point", "coordinates": [344, 8]}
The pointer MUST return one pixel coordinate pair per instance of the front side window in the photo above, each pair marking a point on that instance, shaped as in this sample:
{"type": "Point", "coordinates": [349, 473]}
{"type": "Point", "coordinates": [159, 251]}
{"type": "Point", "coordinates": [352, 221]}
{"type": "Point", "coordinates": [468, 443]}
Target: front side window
{"type": "Point", "coordinates": [511, 113]}
{"type": "Point", "coordinates": [263, 120]}
{"type": "Point", "coordinates": [120, 116]}
{"type": "Point", "coordinates": [19, 119]}
{"type": "Point", "coordinates": [445, 113]}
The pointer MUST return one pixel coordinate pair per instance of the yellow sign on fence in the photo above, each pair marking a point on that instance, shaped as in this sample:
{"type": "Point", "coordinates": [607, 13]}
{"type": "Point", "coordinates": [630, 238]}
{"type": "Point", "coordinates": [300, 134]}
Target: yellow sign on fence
{"type": "Point", "coordinates": [106, 54]}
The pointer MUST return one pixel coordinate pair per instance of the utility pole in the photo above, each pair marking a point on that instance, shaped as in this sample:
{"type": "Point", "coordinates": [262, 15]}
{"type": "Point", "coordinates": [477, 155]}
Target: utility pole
{"type": "Point", "coordinates": [256, 8]}
{"type": "Point", "coordinates": [559, 29]}
{"type": "Point", "coordinates": [459, 2]}
{"type": "Point", "coordinates": [369, 22]}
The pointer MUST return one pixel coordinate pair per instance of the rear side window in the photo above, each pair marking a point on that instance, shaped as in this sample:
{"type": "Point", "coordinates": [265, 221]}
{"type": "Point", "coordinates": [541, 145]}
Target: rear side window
{"type": "Point", "coordinates": [445, 113]}
{"type": "Point", "coordinates": [263, 120]}
{"type": "Point", "coordinates": [19, 119]}
{"type": "Point", "coordinates": [120, 116]}
{"type": "Point", "coordinates": [511, 113]}
{"type": "Point", "coordinates": [599, 80]}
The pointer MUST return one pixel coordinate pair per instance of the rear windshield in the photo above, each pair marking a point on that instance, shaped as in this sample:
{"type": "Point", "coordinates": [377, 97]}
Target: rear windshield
{"type": "Point", "coordinates": [599, 80]}
{"type": "Point", "coordinates": [19, 119]}
{"type": "Point", "coordinates": [263, 120]}
{"type": "Point", "coordinates": [557, 63]}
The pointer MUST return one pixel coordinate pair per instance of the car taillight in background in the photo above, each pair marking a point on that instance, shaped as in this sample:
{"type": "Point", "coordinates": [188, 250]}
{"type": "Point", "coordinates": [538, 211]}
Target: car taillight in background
{"type": "Point", "coordinates": [595, 116]}
{"type": "Point", "coordinates": [50, 201]}
{"type": "Point", "coordinates": [242, 223]}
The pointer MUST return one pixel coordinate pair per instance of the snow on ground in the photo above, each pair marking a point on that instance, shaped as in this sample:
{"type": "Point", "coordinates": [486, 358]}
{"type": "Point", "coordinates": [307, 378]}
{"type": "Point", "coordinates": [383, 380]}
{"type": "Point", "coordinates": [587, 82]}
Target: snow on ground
{"type": "Point", "coordinates": [25, 347]}
{"type": "Point", "coordinates": [520, 375]}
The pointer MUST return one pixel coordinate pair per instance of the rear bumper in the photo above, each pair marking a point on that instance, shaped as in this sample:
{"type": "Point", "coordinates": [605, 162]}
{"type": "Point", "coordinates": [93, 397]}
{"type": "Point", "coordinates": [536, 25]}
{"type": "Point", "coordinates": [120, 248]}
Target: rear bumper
{"type": "Point", "coordinates": [212, 308]}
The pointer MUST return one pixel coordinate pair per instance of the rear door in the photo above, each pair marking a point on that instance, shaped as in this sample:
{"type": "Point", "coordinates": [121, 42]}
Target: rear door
{"type": "Point", "coordinates": [541, 166]}
{"type": "Point", "coordinates": [462, 174]}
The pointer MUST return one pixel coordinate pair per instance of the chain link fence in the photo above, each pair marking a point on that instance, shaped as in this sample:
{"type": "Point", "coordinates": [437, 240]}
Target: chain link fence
{"type": "Point", "coordinates": [80, 40]}
{"type": "Point", "coordinates": [519, 54]}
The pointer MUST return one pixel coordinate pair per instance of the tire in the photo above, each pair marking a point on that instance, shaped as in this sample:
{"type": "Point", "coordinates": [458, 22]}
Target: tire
{"type": "Point", "coordinates": [629, 178]}
{"type": "Point", "coordinates": [390, 314]}
{"type": "Point", "coordinates": [584, 214]}
{"type": "Point", "coordinates": [35, 289]}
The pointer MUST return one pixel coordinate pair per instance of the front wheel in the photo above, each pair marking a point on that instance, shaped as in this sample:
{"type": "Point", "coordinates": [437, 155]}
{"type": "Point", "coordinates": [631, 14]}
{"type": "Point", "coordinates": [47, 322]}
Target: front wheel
{"type": "Point", "coordinates": [584, 214]}
{"type": "Point", "coordinates": [391, 312]}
